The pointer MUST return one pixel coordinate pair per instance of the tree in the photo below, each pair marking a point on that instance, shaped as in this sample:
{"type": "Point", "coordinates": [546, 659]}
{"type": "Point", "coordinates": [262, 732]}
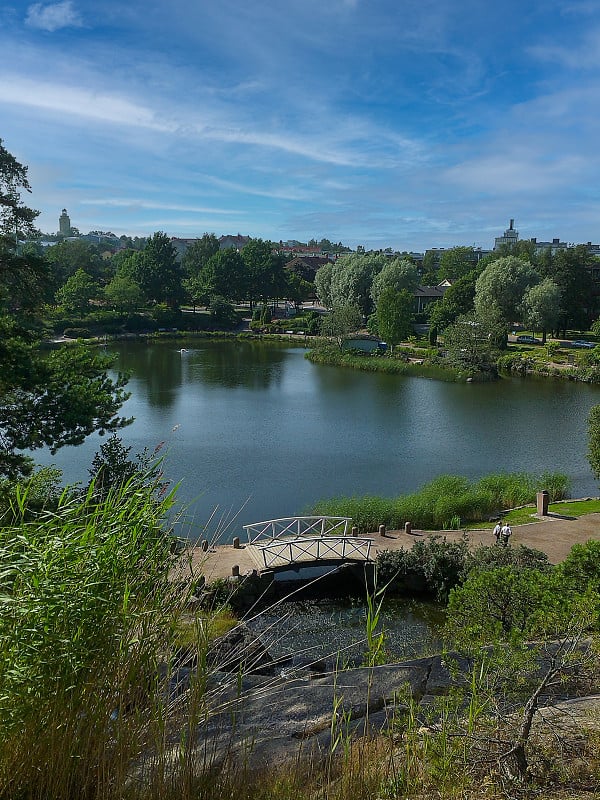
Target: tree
{"type": "Point", "coordinates": [351, 280]}
{"type": "Point", "coordinates": [323, 284]}
{"type": "Point", "coordinates": [570, 269]}
{"type": "Point", "coordinates": [195, 257]}
{"type": "Point", "coordinates": [67, 257]}
{"type": "Point", "coordinates": [457, 300]}
{"type": "Point", "coordinates": [541, 307]}
{"type": "Point", "coordinates": [123, 294]}
{"type": "Point", "coordinates": [77, 292]}
{"type": "Point", "coordinates": [224, 275]}
{"type": "Point", "coordinates": [471, 343]}
{"type": "Point", "coordinates": [398, 274]}
{"type": "Point", "coordinates": [46, 399]}
{"type": "Point", "coordinates": [501, 287]}
{"type": "Point", "coordinates": [340, 322]}
{"type": "Point", "coordinates": [394, 315]}
{"type": "Point", "coordinates": [156, 271]}
{"type": "Point", "coordinates": [456, 262]}
{"type": "Point", "coordinates": [264, 271]}
{"type": "Point", "coordinates": [593, 453]}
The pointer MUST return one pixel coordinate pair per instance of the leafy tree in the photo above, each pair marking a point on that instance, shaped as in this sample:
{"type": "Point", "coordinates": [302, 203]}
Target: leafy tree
{"type": "Point", "coordinates": [223, 313]}
{"type": "Point", "coordinates": [323, 284]}
{"type": "Point", "coordinates": [123, 294]}
{"type": "Point", "coordinates": [456, 262]}
{"type": "Point", "coordinates": [224, 275]}
{"type": "Point", "coordinates": [501, 286]}
{"type": "Point", "coordinates": [351, 280]}
{"type": "Point", "coordinates": [195, 257]}
{"type": "Point", "coordinates": [45, 399]}
{"type": "Point", "coordinates": [112, 469]}
{"type": "Point", "coordinates": [340, 322]}
{"type": "Point", "coordinates": [398, 274]}
{"type": "Point", "coordinates": [16, 219]}
{"type": "Point", "coordinates": [264, 271]}
{"type": "Point", "coordinates": [457, 300]}
{"type": "Point", "coordinates": [471, 343]}
{"type": "Point", "coordinates": [394, 315]}
{"type": "Point", "coordinates": [541, 307]}
{"type": "Point", "coordinates": [570, 271]}
{"type": "Point", "coordinates": [593, 453]}
{"type": "Point", "coordinates": [77, 292]}
{"type": "Point", "coordinates": [156, 271]}
{"type": "Point", "coordinates": [298, 290]}
{"type": "Point", "coordinates": [67, 257]}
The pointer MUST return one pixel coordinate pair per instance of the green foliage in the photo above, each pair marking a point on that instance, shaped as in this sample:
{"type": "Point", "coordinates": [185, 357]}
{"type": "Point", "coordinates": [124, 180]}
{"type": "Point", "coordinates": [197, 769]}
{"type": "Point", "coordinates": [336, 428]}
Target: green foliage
{"type": "Point", "coordinates": [77, 333]}
{"type": "Point", "coordinates": [433, 566]}
{"type": "Point", "coordinates": [83, 617]}
{"type": "Point", "coordinates": [500, 603]}
{"type": "Point", "coordinates": [492, 557]}
{"type": "Point", "coordinates": [340, 322]}
{"type": "Point", "coordinates": [398, 275]}
{"type": "Point", "coordinates": [223, 314]}
{"type": "Point", "coordinates": [45, 399]}
{"type": "Point", "coordinates": [581, 568]}
{"type": "Point", "coordinates": [435, 505]}
{"type": "Point", "coordinates": [502, 286]}
{"type": "Point", "coordinates": [593, 453]}
{"type": "Point", "coordinates": [394, 315]}
{"type": "Point", "coordinates": [27, 497]}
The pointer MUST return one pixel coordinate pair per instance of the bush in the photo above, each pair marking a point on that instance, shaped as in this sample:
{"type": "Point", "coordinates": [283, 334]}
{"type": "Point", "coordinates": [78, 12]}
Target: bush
{"type": "Point", "coordinates": [432, 567]}
{"type": "Point", "coordinates": [77, 333]}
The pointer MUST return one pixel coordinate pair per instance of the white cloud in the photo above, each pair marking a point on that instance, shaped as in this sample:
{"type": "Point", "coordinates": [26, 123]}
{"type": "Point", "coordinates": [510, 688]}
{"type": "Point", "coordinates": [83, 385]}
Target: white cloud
{"type": "Point", "coordinates": [52, 17]}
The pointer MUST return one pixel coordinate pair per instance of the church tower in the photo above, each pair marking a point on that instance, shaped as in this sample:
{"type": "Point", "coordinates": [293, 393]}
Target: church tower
{"type": "Point", "coordinates": [64, 223]}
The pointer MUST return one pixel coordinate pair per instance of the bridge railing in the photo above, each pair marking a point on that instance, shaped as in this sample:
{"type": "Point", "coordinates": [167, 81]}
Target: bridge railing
{"type": "Point", "coordinates": [297, 526]}
{"type": "Point", "coordinates": [277, 553]}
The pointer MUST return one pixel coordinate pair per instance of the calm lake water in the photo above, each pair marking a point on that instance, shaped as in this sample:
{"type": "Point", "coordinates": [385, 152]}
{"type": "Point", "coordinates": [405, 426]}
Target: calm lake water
{"type": "Point", "coordinates": [254, 431]}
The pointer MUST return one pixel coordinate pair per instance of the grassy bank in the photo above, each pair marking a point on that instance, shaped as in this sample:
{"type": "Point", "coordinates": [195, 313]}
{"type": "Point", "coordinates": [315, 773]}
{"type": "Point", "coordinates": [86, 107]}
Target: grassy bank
{"type": "Point", "coordinates": [449, 501]}
{"type": "Point", "coordinates": [332, 356]}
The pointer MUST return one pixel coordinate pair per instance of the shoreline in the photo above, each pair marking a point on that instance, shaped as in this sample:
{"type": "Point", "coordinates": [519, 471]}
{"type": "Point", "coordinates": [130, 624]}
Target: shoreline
{"type": "Point", "coordinates": [554, 536]}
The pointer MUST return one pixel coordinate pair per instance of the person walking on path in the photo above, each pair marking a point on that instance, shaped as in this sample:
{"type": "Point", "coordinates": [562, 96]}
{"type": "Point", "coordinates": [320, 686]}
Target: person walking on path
{"type": "Point", "coordinates": [505, 534]}
{"type": "Point", "coordinates": [497, 531]}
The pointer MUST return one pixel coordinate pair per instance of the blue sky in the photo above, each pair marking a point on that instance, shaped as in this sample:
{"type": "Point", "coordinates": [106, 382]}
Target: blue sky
{"type": "Point", "coordinates": [402, 123]}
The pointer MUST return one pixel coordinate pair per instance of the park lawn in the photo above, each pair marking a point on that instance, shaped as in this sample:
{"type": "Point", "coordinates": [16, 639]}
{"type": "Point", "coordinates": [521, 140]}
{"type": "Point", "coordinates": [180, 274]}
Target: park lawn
{"type": "Point", "coordinates": [522, 516]}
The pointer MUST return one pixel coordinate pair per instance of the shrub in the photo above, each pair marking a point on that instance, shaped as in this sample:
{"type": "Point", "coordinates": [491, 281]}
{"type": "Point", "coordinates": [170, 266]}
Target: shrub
{"type": "Point", "coordinates": [433, 567]}
{"type": "Point", "coordinates": [77, 333]}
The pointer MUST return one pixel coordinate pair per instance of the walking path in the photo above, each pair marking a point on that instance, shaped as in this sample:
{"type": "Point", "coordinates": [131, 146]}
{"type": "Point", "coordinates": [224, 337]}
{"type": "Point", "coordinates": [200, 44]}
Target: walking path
{"type": "Point", "coordinates": [553, 535]}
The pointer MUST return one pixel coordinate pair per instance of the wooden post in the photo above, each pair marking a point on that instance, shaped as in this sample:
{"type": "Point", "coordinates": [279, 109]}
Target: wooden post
{"type": "Point", "coordinates": [354, 530]}
{"type": "Point", "coordinates": [542, 499]}
{"type": "Point", "coordinates": [382, 530]}
{"type": "Point", "coordinates": [235, 571]}
{"type": "Point", "coordinates": [236, 542]}
{"type": "Point", "coordinates": [408, 527]}
{"type": "Point", "coordinates": [204, 545]}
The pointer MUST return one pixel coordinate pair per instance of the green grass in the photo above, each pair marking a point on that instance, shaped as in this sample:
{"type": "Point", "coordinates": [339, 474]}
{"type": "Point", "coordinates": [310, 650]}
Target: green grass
{"type": "Point", "coordinates": [522, 516]}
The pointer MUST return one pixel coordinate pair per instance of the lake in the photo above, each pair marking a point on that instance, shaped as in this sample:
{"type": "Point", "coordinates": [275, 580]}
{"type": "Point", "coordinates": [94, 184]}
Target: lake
{"type": "Point", "coordinates": [253, 431]}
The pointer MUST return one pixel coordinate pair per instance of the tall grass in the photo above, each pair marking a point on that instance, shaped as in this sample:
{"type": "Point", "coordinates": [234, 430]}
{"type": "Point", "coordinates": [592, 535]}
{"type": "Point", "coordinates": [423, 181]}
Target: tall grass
{"type": "Point", "coordinates": [83, 621]}
{"type": "Point", "coordinates": [447, 499]}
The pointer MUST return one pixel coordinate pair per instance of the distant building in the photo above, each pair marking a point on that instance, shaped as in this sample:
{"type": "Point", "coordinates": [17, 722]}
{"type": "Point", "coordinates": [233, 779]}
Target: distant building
{"type": "Point", "coordinates": [510, 237]}
{"type": "Point", "coordinates": [554, 246]}
{"type": "Point", "coordinates": [237, 242]}
{"type": "Point", "coordinates": [306, 266]}
{"type": "Point", "coordinates": [425, 295]}
{"type": "Point", "coordinates": [64, 223]}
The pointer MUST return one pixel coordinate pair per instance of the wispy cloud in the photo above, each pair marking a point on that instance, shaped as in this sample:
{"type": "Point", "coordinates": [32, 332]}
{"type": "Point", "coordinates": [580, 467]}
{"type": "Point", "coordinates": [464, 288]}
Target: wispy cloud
{"type": "Point", "coordinates": [131, 203]}
{"type": "Point", "coordinates": [53, 16]}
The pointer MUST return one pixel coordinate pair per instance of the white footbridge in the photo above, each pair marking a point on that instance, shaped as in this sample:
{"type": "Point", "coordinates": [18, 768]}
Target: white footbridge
{"type": "Point", "coordinates": [291, 542]}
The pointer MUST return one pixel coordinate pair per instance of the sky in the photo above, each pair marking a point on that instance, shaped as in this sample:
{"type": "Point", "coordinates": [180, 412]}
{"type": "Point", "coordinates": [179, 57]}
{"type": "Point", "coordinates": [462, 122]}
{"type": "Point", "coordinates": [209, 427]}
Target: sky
{"type": "Point", "coordinates": [388, 123]}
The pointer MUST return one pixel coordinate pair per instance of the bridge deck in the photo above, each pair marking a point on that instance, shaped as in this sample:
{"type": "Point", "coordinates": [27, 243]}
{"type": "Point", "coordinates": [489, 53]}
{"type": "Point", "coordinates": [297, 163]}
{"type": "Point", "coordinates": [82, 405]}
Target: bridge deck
{"type": "Point", "coordinates": [291, 551]}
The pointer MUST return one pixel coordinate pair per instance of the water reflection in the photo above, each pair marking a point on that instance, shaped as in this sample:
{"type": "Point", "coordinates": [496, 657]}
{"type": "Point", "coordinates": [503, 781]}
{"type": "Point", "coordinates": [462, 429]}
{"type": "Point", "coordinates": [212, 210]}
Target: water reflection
{"type": "Point", "coordinates": [311, 629]}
